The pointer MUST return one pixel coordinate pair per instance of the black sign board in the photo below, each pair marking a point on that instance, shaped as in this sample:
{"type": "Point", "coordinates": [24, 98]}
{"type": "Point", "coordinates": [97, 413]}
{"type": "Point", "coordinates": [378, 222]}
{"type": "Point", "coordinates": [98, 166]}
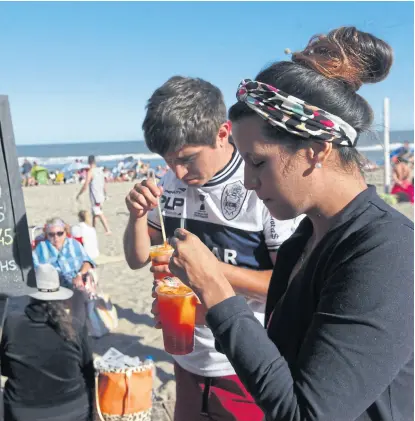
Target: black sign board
{"type": "Point", "coordinates": [16, 265]}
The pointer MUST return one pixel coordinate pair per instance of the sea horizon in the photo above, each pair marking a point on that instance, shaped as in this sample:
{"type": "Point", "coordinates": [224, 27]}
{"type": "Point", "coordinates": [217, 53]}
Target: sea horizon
{"type": "Point", "coordinates": [55, 155]}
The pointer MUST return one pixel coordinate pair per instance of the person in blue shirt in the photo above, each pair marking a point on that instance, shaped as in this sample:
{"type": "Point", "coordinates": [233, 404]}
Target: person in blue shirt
{"type": "Point", "coordinates": [70, 259]}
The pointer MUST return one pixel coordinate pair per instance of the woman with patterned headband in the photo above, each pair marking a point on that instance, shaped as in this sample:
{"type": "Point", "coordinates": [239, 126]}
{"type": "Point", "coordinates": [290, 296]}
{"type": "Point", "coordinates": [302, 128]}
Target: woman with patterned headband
{"type": "Point", "coordinates": [338, 344]}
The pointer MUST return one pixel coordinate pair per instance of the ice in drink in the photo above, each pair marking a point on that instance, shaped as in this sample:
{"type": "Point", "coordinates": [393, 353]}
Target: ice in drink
{"type": "Point", "coordinates": [177, 309]}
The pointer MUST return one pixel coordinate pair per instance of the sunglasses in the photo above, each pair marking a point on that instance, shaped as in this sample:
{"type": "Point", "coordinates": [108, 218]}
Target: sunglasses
{"type": "Point", "coordinates": [54, 234]}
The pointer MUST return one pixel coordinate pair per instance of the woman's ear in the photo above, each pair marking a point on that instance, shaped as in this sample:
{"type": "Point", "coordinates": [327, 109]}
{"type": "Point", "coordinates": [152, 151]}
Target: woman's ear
{"type": "Point", "coordinates": [318, 153]}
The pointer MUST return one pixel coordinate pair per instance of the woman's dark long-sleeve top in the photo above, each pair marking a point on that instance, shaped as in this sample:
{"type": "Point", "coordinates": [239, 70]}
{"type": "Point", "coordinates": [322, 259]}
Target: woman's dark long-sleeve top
{"type": "Point", "coordinates": [339, 339]}
{"type": "Point", "coordinates": [43, 369]}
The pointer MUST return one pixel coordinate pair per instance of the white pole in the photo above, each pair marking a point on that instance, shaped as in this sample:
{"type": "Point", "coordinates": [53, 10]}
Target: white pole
{"type": "Point", "coordinates": [386, 145]}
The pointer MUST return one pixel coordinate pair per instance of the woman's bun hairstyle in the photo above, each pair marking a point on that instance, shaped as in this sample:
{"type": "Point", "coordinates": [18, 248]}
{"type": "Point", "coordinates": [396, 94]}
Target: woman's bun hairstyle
{"type": "Point", "coordinates": [349, 55]}
{"type": "Point", "coordinates": [327, 74]}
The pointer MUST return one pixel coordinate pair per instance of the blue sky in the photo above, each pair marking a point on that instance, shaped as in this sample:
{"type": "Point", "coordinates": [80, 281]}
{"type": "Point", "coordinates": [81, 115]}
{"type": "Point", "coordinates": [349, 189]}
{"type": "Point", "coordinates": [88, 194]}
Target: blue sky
{"type": "Point", "coordinates": [84, 71]}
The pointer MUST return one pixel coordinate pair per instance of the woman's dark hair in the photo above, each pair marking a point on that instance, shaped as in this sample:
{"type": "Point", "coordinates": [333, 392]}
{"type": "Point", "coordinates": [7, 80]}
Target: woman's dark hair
{"type": "Point", "coordinates": [327, 74]}
{"type": "Point", "coordinates": [57, 318]}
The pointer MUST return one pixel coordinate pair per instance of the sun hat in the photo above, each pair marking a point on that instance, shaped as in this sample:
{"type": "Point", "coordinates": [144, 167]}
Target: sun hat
{"type": "Point", "coordinates": [48, 285]}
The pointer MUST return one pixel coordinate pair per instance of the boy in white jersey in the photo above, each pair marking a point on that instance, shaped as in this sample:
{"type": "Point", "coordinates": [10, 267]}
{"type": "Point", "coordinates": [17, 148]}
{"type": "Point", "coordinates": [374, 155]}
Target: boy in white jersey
{"type": "Point", "coordinates": [186, 124]}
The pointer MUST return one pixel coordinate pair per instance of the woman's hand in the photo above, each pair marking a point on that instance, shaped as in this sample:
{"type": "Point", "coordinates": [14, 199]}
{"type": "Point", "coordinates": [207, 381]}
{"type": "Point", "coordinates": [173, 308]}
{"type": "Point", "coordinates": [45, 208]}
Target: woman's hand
{"type": "Point", "coordinates": [196, 266]}
{"type": "Point", "coordinates": [78, 282]}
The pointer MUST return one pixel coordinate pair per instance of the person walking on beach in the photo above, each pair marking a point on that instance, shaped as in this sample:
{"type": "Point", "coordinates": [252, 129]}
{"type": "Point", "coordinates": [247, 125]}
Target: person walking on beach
{"type": "Point", "coordinates": [95, 180]}
{"type": "Point", "coordinates": [26, 171]}
{"type": "Point", "coordinates": [186, 124]}
{"type": "Point", "coordinates": [339, 338]}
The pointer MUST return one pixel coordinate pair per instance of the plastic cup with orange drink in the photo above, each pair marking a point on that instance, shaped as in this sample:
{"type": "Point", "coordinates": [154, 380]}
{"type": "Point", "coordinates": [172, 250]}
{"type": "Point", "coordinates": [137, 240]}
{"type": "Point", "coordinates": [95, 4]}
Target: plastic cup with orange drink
{"type": "Point", "coordinates": [157, 251]}
{"type": "Point", "coordinates": [177, 311]}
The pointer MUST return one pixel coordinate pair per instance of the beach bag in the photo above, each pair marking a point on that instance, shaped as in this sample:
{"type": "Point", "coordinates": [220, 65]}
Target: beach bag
{"type": "Point", "coordinates": [102, 317]}
{"type": "Point", "coordinates": [124, 394]}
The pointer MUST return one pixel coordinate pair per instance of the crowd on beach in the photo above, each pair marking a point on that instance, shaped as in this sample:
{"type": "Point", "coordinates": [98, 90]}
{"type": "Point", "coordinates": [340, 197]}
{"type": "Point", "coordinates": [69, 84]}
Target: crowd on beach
{"type": "Point", "coordinates": [128, 169]}
{"type": "Point", "coordinates": [303, 274]}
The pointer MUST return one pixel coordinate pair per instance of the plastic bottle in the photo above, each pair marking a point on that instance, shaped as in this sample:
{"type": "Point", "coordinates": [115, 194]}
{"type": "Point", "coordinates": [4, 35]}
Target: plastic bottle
{"type": "Point", "coordinates": [149, 360]}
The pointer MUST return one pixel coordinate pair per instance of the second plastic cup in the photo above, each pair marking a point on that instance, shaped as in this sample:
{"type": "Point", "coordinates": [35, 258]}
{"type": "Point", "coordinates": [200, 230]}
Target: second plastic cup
{"type": "Point", "coordinates": [177, 309]}
{"type": "Point", "coordinates": [161, 250]}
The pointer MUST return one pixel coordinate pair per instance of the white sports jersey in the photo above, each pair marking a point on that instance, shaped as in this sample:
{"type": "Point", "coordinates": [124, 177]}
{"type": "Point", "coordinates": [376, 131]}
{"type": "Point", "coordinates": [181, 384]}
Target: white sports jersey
{"type": "Point", "coordinates": [239, 230]}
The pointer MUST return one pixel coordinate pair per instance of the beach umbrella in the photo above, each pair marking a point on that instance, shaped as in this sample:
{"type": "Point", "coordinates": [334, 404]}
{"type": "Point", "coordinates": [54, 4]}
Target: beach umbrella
{"type": "Point", "coordinates": [74, 166]}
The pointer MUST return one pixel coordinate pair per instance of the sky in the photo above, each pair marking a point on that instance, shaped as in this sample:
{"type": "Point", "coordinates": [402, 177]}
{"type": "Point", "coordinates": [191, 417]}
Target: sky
{"type": "Point", "coordinates": [79, 71]}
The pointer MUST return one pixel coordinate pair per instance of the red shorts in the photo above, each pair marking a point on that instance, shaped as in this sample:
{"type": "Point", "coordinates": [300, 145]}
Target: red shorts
{"type": "Point", "coordinates": [226, 400]}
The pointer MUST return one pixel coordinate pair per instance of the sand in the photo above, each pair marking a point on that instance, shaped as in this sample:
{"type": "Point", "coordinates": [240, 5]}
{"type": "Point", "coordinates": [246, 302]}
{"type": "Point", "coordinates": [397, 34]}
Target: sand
{"type": "Point", "coordinates": [130, 290]}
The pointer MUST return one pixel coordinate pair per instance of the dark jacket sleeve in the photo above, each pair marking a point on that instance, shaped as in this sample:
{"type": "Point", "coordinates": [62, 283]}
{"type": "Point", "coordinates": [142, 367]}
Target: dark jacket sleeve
{"type": "Point", "coordinates": [360, 336]}
{"type": "Point", "coordinates": [87, 363]}
{"type": "Point", "coordinates": [3, 347]}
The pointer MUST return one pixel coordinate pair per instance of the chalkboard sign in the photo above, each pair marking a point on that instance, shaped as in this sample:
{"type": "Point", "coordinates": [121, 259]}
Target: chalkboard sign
{"type": "Point", "coordinates": [16, 265]}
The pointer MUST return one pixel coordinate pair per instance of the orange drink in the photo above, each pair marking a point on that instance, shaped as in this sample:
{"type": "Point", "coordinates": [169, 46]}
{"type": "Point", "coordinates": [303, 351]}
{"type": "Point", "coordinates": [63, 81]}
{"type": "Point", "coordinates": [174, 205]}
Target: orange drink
{"type": "Point", "coordinates": [177, 308]}
{"type": "Point", "coordinates": [161, 250]}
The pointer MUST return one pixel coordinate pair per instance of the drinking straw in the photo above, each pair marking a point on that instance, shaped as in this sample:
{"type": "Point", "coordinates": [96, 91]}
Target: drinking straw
{"type": "Point", "coordinates": [163, 230]}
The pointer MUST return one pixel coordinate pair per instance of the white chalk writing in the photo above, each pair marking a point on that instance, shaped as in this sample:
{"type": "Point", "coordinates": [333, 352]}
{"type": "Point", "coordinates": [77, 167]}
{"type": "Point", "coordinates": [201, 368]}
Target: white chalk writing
{"type": "Point", "coordinates": [5, 236]}
{"type": "Point", "coordinates": [2, 212]}
{"type": "Point", "coordinates": [7, 265]}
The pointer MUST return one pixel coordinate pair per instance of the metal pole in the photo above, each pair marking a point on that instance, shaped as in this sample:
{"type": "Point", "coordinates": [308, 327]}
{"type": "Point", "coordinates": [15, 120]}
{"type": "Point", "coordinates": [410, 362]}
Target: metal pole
{"type": "Point", "coordinates": [386, 146]}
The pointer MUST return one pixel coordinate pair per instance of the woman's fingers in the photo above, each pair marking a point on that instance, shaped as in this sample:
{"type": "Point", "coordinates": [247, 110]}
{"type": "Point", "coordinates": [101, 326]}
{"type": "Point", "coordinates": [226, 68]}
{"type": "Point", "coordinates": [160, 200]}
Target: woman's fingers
{"type": "Point", "coordinates": [156, 283]}
{"type": "Point", "coordinates": [155, 312]}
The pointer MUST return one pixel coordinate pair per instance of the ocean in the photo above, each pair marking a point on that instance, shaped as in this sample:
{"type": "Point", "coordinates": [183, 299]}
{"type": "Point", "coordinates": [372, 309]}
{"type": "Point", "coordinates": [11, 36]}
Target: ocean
{"type": "Point", "coordinates": [108, 154]}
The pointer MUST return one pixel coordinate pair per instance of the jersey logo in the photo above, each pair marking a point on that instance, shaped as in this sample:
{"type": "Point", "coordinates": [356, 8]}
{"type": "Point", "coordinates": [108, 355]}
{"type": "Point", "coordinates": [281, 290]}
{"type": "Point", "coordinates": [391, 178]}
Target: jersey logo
{"type": "Point", "coordinates": [202, 212]}
{"type": "Point", "coordinates": [233, 197]}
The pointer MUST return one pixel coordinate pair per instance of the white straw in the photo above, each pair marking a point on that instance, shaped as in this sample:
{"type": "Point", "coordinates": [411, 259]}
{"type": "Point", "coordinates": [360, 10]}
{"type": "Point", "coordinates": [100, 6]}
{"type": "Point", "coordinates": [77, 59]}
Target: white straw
{"type": "Point", "coordinates": [163, 230]}
{"type": "Point", "coordinates": [182, 223]}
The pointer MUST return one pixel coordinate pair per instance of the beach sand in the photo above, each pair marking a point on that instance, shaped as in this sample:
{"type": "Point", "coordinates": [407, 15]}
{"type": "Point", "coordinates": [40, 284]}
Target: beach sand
{"type": "Point", "coordinates": [130, 290]}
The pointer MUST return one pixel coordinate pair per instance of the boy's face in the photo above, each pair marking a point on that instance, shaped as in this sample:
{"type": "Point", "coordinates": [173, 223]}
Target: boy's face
{"type": "Point", "coordinates": [196, 165]}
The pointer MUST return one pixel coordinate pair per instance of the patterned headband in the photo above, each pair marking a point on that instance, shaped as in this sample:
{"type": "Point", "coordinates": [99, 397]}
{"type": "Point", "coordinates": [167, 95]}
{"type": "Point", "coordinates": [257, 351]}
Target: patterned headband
{"type": "Point", "coordinates": [295, 115]}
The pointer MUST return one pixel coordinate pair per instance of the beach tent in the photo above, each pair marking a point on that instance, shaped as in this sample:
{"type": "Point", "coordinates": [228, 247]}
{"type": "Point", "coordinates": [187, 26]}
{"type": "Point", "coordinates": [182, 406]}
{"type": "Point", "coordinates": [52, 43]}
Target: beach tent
{"type": "Point", "coordinates": [40, 174]}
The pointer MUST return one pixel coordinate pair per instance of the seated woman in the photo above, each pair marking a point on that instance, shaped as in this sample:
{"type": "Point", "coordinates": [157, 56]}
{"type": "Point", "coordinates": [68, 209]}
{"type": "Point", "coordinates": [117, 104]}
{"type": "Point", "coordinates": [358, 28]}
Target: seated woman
{"type": "Point", "coordinates": [69, 258]}
{"type": "Point", "coordinates": [66, 254]}
{"type": "Point", "coordinates": [46, 357]}
{"type": "Point", "coordinates": [339, 338]}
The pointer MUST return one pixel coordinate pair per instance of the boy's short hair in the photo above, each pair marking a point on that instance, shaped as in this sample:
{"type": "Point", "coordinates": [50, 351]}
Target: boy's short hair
{"type": "Point", "coordinates": [183, 111]}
